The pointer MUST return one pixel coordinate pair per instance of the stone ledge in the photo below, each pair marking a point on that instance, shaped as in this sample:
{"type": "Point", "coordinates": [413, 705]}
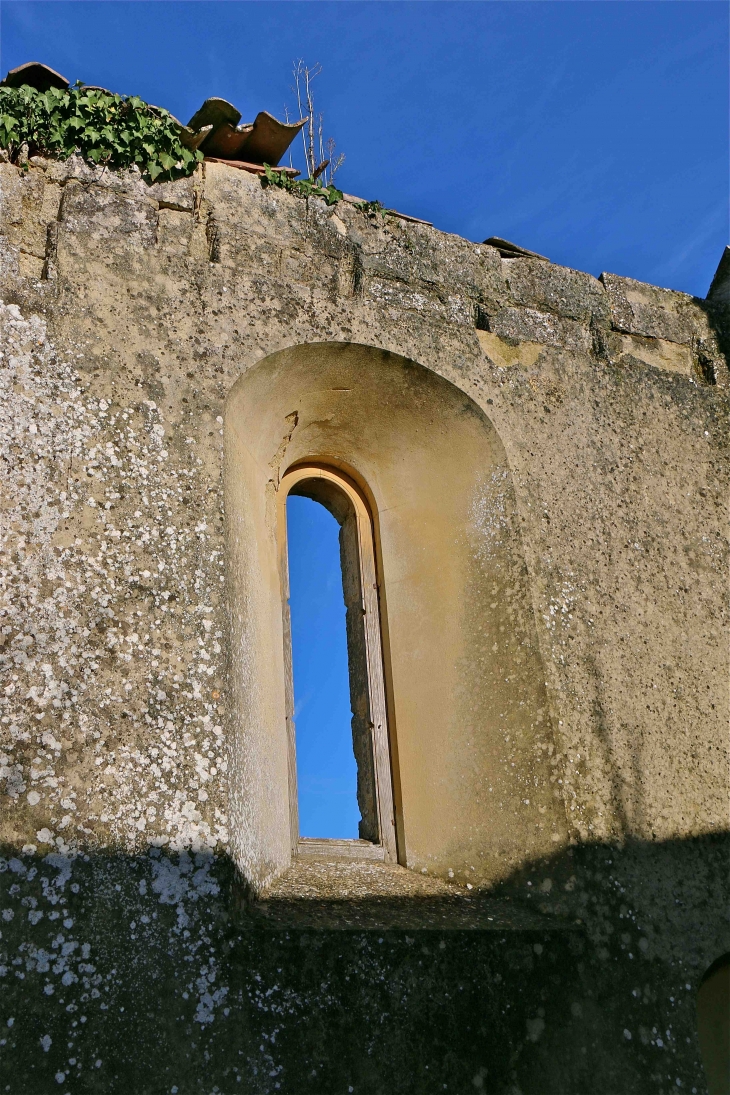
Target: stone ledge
{"type": "Point", "coordinates": [343, 895]}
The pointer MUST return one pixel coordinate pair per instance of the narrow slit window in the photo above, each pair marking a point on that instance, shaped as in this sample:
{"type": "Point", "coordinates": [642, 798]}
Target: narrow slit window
{"type": "Point", "coordinates": [341, 798]}
{"type": "Point", "coordinates": [326, 767]}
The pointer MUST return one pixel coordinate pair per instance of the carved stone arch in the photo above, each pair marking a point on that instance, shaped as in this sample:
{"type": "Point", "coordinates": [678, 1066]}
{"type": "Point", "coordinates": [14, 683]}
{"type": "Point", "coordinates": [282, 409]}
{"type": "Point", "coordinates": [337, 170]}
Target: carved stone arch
{"type": "Point", "coordinates": [470, 732]}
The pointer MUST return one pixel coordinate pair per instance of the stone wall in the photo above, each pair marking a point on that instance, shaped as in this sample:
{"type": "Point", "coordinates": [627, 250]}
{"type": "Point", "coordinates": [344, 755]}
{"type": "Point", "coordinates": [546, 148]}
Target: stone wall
{"type": "Point", "coordinates": [129, 314]}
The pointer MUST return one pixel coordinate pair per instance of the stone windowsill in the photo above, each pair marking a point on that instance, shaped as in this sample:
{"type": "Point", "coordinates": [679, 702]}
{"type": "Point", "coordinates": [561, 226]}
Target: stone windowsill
{"type": "Point", "coordinates": [362, 895]}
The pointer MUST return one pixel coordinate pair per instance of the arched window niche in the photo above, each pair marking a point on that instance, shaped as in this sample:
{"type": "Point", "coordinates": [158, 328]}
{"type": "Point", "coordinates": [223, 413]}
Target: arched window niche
{"type": "Point", "coordinates": [468, 726]}
{"type": "Point", "coordinates": [339, 494]}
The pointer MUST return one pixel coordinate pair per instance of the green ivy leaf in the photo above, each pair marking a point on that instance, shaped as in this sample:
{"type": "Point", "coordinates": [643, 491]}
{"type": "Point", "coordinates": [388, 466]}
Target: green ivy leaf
{"type": "Point", "coordinates": [103, 127]}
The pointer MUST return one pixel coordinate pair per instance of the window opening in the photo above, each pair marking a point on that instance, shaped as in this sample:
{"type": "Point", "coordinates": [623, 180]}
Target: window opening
{"type": "Point", "coordinates": [325, 758]}
{"type": "Point", "coordinates": [311, 756]}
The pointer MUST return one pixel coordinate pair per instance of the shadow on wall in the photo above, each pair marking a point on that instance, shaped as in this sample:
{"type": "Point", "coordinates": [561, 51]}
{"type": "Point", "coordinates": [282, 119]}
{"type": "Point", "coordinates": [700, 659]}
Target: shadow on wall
{"type": "Point", "coordinates": [144, 974]}
{"type": "Point", "coordinates": [713, 1022]}
{"type": "Point", "coordinates": [717, 308]}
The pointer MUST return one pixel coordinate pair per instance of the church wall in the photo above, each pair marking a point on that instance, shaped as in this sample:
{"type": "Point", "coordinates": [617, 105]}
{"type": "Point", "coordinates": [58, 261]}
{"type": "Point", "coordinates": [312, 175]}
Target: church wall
{"type": "Point", "coordinates": [130, 313]}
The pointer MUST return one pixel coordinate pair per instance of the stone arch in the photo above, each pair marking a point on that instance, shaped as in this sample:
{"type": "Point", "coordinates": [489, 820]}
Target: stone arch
{"type": "Point", "coordinates": [470, 729]}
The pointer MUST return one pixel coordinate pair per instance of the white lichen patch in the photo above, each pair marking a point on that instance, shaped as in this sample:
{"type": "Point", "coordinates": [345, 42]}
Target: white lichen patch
{"type": "Point", "coordinates": [51, 953]}
{"type": "Point", "coordinates": [110, 733]}
{"type": "Point", "coordinates": [560, 609]}
{"type": "Point", "coordinates": [491, 512]}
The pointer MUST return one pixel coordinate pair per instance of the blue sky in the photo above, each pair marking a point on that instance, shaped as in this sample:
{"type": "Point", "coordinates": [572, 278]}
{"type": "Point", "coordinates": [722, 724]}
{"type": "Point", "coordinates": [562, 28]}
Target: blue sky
{"type": "Point", "coordinates": [326, 769]}
{"type": "Point", "coordinates": [594, 132]}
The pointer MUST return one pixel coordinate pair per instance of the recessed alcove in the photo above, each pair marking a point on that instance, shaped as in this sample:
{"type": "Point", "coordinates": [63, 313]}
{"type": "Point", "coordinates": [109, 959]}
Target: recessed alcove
{"type": "Point", "coordinates": [468, 722]}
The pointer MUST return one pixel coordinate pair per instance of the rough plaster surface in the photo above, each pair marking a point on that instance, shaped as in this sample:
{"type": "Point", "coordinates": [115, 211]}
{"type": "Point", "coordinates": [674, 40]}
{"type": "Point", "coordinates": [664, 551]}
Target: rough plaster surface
{"type": "Point", "coordinates": [129, 314]}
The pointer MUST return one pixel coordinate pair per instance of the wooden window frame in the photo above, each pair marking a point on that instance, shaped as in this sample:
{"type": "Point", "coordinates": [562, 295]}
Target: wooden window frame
{"type": "Point", "coordinates": [386, 848]}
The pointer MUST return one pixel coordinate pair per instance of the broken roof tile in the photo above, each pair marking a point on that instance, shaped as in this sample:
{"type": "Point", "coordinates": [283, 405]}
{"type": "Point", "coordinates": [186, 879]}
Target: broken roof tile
{"type": "Point", "coordinates": [215, 112]}
{"type": "Point", "coordinates": [511, 250]}
{"type": "Point", "coordinates": [191, 139]}
{"type": "Point", "coordinates": [34, 74]}
{"type": "Point", "coordinates": [264, 140]}
{"type": "Point", "coordinates": [269, 139]}
{"type": "Point", "coordinates": [226, 141]}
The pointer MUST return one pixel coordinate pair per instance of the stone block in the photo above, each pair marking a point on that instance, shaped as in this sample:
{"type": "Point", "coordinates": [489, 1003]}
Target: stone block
{"type": "Point", "coordinates": [229, 189]}
{"type": "Point", "coordinates": [30, 266]}
{"type": "Point", "coordinates": [410, 252]}
{"type": "Point", "coordinates": [647, 310]}
{"type": "Point", "coordinates": [11, 197]}
{"type": "Point", "coordinates": [118, 221]}
{"type": "Point", "coordinates": [530, 325]}
{"type": "Point", "coordinates": [8, 259]}
{"type": "Point", "coordinates": [567, 293]}
{"type": "Point", "coordinates": [128, 182]}
{"type": "Point", "coordinates": [179, 195]}
{"type": "Point", "coordinates": [174, 231]}
{"type": "Point", "coordinates": [422, 299]}
{"type": "Point", "coordinates": [658, 352]}
{"type": "Point", "coordinates": [41, 202]}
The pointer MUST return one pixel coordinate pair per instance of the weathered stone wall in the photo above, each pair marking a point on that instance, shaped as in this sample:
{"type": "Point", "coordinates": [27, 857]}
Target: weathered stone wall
{"type": "Point", "coordinates": [129, 313]}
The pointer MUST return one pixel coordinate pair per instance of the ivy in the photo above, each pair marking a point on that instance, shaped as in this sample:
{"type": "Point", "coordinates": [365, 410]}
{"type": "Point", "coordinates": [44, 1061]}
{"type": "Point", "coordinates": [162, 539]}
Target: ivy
{"type": "Point", "coordinates": [309, 188]}
{"type": "Point", "coordinates": [301, 188]}
{"type": "Point", "coordinates": [116, 131]}
{"type": "Point", "coordinates": [373, 209]}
